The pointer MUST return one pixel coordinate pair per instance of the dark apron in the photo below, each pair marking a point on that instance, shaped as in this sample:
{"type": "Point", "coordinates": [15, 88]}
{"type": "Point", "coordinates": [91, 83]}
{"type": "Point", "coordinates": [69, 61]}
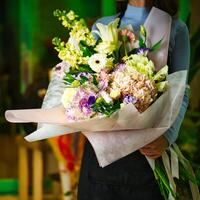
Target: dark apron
{"type": "Point", "coordinates": [130, 178]}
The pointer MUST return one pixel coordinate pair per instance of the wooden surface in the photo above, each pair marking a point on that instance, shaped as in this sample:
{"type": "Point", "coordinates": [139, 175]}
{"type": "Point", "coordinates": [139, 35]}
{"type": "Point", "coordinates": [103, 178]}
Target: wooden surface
{"type": "Point", "coordinates": [37, 174]}
{"type": "Point", "coordinates": [23, 173]}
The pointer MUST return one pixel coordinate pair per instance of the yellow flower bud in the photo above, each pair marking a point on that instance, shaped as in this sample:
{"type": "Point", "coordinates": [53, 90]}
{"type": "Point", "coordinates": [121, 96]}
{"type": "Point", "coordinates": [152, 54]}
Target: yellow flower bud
{"type": "Point", "coordinates": [142, 30]}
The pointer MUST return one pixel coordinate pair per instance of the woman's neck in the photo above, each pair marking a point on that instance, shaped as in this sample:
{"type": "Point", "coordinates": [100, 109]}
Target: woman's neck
{"type": "Point", "coordinates": [139, 3]}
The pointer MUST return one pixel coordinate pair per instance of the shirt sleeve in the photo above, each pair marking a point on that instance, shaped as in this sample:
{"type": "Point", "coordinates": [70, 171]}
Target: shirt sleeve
{"type": "Point", "coordinates": [179, 61]}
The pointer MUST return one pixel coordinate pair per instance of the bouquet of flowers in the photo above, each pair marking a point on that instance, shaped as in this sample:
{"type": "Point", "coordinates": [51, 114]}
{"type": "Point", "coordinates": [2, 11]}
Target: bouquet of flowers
{"type": "Point", "coordinates": [103, 75]}
{"type": "Point", "coordinates": [107, 84]}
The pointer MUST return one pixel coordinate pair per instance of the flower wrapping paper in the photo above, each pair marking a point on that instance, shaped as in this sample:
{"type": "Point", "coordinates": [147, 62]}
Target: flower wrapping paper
{"type": "Point", "coordinates": [111, 137]}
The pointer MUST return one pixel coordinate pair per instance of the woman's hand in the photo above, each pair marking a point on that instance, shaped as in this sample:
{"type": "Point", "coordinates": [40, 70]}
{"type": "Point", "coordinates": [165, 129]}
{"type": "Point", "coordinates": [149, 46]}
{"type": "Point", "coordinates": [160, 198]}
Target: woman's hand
{"type": "Point", "coordinates": [155, 148]}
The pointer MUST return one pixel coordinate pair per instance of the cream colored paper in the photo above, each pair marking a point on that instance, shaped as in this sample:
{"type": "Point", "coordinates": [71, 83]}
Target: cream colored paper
{"type": "Point", "coordinates": [107, 133]}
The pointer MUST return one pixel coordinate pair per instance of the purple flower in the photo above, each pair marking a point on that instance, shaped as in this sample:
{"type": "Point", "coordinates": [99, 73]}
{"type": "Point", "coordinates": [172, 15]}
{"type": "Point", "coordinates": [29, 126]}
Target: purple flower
{"type": "Point", "coordinates": [81, 74]}
{"type": "Point", "coordinates": [91, 100]}
{"type": "Point", "coordinates": [143, 51]}
{"type": "Point", "coordinates": [83, 103]}
{"type": "Point", "coordinates": [84, 74]}
{"type": "Point", "coordinates": [129, 99]}
{"type": "Point", "coordinates": [85, 107]}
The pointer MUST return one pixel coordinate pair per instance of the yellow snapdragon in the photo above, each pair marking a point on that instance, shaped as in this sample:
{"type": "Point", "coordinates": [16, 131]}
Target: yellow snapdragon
{"type": "Point", "coordinates": [66, 24]}
{"type": "Point", "coordinates": [72, 55]}
{"type": "Point", "coordinates": [71, 15]}
{"type": "Point", "coordinates": [81, 32]}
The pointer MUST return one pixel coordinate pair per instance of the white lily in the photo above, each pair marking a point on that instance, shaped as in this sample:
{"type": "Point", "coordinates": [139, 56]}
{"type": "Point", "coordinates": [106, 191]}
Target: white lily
{"type": "Point", "coordinates": [109, 33]}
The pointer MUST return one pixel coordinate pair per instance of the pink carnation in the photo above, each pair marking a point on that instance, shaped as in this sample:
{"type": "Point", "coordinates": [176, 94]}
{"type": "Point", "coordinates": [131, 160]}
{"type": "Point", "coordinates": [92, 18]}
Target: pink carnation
{"type": "Point", "coordinates": [129, 34]}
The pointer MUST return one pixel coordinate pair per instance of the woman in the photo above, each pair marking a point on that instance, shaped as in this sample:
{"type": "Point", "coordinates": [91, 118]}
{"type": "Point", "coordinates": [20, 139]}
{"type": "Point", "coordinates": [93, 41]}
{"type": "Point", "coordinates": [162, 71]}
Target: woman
{"type": "Point", "coordinates": [131, 177]}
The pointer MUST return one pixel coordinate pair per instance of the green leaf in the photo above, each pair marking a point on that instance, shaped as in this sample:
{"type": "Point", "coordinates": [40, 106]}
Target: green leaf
{"type": "Point", "coordinates": [141, 42]}
{"type": "Point", "coordinates": [95, 82]}
{"type": "Point", "coordinates": [133, 51]}
{"type": "Point", "coordinates": [86, 49]}
{"type": "Point", "coordinates": [85, 68]}
{"type": "Point", "coordinates": [163, 179]}
{"type": "Point", "coordinates": [108, 109]}
{"type": "Point", "coordinates": [68, 79]}
{"type": "Point", "coordinates": [83, 79]}
{"type": "Point", "coordinates": [73, 71]}
{"type": "Point", "coordinates": [156, 46]}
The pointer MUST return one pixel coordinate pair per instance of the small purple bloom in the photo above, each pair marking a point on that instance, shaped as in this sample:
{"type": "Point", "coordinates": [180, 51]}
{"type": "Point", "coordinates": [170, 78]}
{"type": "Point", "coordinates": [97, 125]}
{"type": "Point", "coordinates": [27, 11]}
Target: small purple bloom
{"type": "Point", "coordinates": [84, 74]}
{"type": "Point", "coordinates": [85, 107]}
{"type": "Point", "coordinates": [143, 51]}
{"type": "Point", "coordinates": [91, 100]}
{"type": "Point", "coordinates": [81, 74]}
{"type": "Point", "coordinates": [129, 99]}
{"type": "Point", "coordinates": [83, 103]}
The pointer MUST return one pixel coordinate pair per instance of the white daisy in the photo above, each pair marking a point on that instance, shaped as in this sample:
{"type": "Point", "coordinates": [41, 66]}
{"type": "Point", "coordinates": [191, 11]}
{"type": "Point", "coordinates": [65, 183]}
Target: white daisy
{"type": "Point", "coordinates": [98, 62]}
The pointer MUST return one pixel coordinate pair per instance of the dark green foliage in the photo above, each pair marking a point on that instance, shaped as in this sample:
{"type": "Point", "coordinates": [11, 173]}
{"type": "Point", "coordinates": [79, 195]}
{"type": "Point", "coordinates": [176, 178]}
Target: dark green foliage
{"type": "Point", "coordinates": [85, 68]}
{"type": "Point", "coordinates": [69, 78]}
{"type": "Point", "coordinates": [87, 50]}
{"type": "Point", "coordinates": [156, 46]}
{"type": "Point", "coordinates": [105, 108]}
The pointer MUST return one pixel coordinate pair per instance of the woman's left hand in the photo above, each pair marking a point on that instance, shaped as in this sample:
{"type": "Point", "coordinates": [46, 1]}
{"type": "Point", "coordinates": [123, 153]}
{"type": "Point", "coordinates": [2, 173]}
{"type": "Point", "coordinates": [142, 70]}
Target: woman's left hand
{"type": "Point", "coordinates": [155, 148]}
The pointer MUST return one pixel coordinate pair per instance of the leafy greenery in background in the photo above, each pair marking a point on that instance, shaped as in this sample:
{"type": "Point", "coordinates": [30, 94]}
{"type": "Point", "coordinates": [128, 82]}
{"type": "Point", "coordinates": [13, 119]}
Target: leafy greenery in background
{"type": "Point", "coordinates": [189, 136]}
{"type": "Point", "coordinates": [189, 140]}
